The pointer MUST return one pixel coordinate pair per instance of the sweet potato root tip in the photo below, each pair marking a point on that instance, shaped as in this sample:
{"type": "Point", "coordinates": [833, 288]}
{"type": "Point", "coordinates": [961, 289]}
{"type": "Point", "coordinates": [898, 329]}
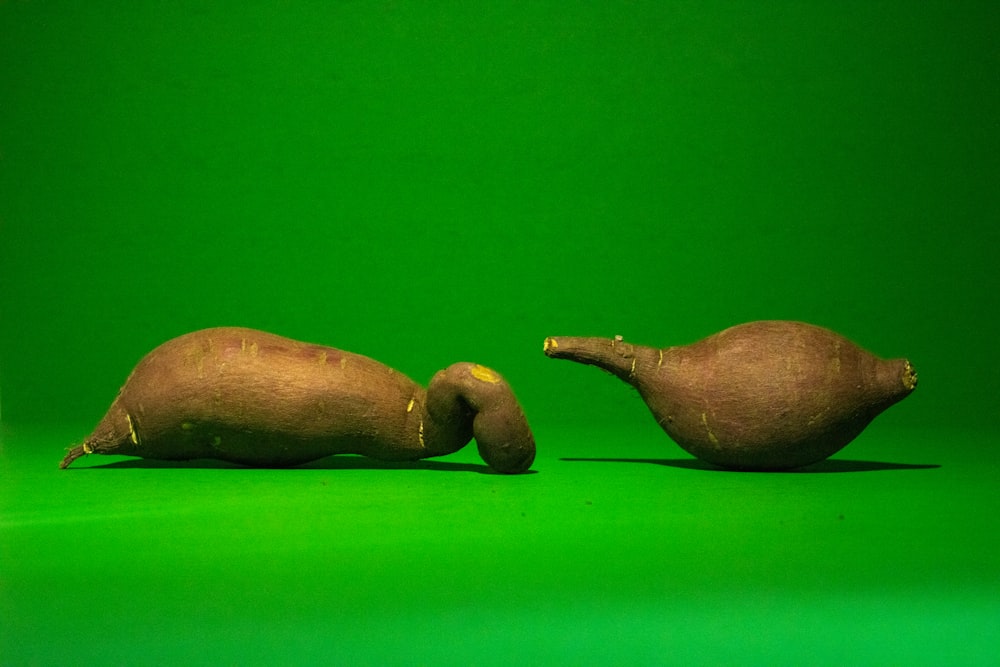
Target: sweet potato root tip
{"type": "Point", "coordinates": [72, 455]}
{"type": "Point", "coordinates": [909, 377]}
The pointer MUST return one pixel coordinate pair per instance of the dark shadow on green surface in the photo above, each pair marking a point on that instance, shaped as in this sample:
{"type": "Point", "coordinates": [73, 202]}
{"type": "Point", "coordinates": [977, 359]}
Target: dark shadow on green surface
{"type": "Point", "coordinates": [829, 465]}
{"type": "Point", "coordinates": [328, 463]}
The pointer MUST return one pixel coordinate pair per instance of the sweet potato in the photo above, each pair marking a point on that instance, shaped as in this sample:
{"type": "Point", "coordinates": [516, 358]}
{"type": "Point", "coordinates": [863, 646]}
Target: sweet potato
{"type": "Point", "coordinates": [767, 395]}
{"type": "Point", "coordinates": [259, 399]}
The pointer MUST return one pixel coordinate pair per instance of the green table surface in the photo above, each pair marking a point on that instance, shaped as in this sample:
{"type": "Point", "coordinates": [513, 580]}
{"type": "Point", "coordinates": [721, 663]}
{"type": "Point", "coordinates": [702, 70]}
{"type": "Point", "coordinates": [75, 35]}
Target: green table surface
{"type": "Point", "coordinates": [617, 549]}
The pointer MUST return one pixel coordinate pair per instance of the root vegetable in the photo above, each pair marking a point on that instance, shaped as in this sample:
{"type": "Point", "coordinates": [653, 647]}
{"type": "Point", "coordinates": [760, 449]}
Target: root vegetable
{"type": "Point", "coordinates": [259, 399]}
{"type": "Point", "coordinates": [767, 395]}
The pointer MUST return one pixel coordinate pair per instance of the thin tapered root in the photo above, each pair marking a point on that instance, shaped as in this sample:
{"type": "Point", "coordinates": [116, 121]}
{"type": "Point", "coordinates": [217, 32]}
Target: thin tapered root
{"type": "Point", "coordinates": [73, 454]}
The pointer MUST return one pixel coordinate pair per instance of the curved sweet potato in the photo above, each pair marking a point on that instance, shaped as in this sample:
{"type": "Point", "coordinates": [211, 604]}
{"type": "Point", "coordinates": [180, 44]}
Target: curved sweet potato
{"type": "Point", "coordinates": [260, 399]}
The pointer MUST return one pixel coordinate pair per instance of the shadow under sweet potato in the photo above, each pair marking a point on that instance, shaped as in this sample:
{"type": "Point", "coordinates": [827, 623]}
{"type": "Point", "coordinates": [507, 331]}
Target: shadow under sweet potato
{"type": "Point", "coordinates": [328, 463]}
{"type": "Point", "coordinates": [825, 466]}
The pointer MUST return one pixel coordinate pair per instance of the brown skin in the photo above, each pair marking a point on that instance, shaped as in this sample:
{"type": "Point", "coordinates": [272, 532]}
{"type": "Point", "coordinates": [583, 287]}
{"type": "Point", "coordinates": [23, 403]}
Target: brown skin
{"type": "Point", "coordinates": [770, 395]}
{"type": "Point", "coordinates": [259, 399]}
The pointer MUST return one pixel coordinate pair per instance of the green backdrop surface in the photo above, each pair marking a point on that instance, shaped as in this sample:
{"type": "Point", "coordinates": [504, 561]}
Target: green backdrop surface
{"type": "Point", "coordinates": [432, 182]}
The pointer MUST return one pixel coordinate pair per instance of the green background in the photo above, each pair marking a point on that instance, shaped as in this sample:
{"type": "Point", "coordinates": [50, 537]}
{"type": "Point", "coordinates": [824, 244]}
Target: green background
{"type": "Point", "coordinates": [426, 183]}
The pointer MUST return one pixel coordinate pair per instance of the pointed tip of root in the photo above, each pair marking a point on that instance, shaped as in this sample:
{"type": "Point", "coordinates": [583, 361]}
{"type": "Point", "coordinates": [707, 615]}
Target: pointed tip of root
{"type": "Point", "coordinates": [550, 346]}
{"type": "Point", "coordinates": [73, 454]}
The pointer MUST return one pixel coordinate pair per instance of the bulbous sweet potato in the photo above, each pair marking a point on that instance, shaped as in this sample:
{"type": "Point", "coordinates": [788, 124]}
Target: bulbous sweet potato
{"type": "Point", "coordinates": [767, 395]}
{"type": "Point", "coordinates": [259, 399]}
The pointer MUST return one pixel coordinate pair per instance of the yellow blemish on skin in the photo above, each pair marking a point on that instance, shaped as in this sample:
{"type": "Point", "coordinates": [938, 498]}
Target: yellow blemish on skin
{"type": "Point", "coordinates": [909, 377]}
{"type": "Point", "coordinates": [409, 406]}
{"type": "Point", "coordinates": [243, 345]}
{"type": "Point", "coordinates": [343, 362]}
{"type": "Point", "coordinates": [550, 343]}
{"type": "Point", "coordinates": [631, 372]}
{"type": "Point", "coordinates": [659, 362]}
{"type": "Point", "coordinates": [711, 436]}
{"type": "Point", "coordinates": [322, 358]}
{"type": "Point", "coordinates": [420, 433]}
{"type": "Point", "coordinates": [131, 429]}
{"type": "Point", "coordinates": [87, 449]}
{"type": "Point", "coordinates": [484, 374]}
{"type": "Point", "coordinates": [253, 349]}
